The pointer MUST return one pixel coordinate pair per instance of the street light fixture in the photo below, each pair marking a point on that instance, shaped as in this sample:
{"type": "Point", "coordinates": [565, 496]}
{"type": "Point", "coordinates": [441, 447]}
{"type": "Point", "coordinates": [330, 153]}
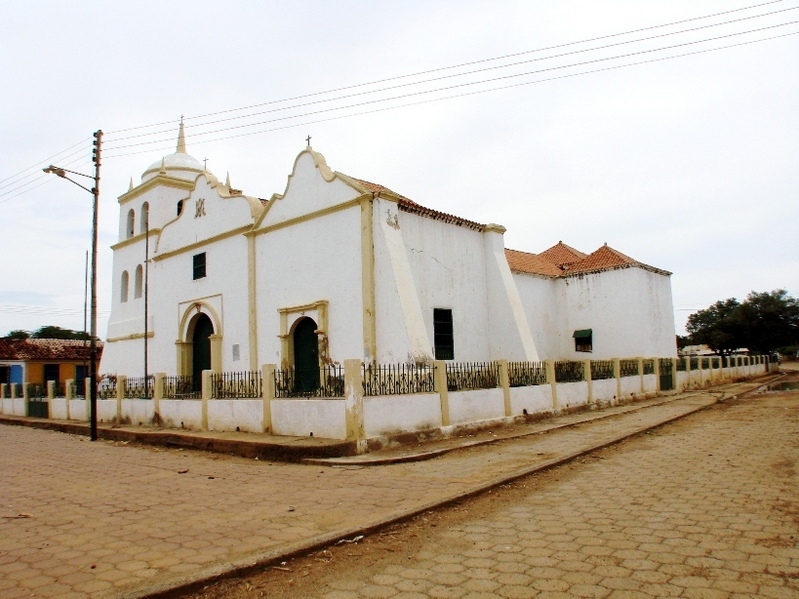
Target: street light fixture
{"type": "Point", "coordinates": [95, 191]}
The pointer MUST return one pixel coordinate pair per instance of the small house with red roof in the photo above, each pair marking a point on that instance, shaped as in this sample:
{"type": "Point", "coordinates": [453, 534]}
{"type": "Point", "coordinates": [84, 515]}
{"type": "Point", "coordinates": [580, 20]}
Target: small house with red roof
{"type": "Point", "coordinates": [337, 267]}
{"type": "Point", "coordinates": [38, 361]}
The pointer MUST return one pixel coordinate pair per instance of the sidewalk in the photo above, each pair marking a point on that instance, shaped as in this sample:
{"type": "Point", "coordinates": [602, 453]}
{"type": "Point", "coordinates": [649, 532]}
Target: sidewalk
{"type": "Point", "coordinates": [109, 519]}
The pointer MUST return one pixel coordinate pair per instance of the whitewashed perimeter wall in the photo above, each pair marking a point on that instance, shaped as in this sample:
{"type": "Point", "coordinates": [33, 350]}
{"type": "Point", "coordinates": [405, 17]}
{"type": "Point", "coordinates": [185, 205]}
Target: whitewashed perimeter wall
{"type": "Point", "coordinates": [384, 415]}
{"type": "Point", "coordinates": [391, 414]}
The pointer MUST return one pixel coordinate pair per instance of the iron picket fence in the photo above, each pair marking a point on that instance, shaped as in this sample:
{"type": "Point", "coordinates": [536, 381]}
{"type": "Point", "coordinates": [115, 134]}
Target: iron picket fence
{"type": "Point", "coordinates": [628, 368]}
{"type": "Point", "coordinates": [567, 371]}
{"type": "Point", "coordinates": [181, 387]}
{"type": "Point", "coordinates": [330, 383]}
{"type": "Point", "coordinates": [472, 375]}
{"type": "Point", "coordinates": [237, 385]}
{"type": "Point", "coordinates": [602, 369]}
{"type": "Point", "coordinates": [139, 388]}
{"type": "Point", "coordinates": [522, 374]}
{"type": "Point", "coordinates": [397, 379]}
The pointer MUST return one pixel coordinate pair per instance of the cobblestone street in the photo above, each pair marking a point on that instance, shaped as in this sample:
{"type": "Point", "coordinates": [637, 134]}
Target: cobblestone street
{"type": "Point", "coordinates": [707, 505]}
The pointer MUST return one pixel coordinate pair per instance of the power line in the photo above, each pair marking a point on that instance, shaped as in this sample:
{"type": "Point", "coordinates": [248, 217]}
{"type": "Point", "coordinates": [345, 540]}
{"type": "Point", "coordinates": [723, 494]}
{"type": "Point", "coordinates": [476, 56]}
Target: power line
{"type": "Point", "coordinates": [446, 68]}
{"type": "Point", "coordinates": [460, 85]}
{"type": "Point", "coordinates": [441, 78]}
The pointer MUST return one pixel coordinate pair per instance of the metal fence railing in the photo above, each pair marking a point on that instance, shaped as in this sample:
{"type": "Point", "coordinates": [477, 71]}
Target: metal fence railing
{"type": "Point", "coordinates": [569, 372]}
{"type": "Point", "coordinates": [472, 375]}
{"type": "Point", "coordinates": [324, 382]}
{"type": "Point", "coordinates": [181, 387]}
{"type": "Point", "coordinates": [522, 374]}
{"type": "Point", "coordinates": [602, 369]}
{"type": "Point", "coordinates": [397, 379]}
{"type": "Point", "coordinates": [237, 385]}
{"type": "Point", "coordinates": [628, 368]}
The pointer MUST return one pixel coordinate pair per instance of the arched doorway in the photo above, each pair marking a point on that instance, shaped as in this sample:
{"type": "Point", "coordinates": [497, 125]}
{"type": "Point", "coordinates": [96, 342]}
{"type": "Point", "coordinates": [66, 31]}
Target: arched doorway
{"type": "Point", "coordinates": [201, 348]}
{"type": "Point", "coordinates": [306, 356]}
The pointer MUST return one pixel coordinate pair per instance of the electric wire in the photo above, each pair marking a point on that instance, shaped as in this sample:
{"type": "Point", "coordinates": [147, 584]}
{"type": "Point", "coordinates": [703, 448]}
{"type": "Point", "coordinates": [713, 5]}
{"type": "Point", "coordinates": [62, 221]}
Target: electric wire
{"type": "Point", "coordinates": [446, 68]}
{"type": "Point", "coordinates": [22, 188]}
{"type": "Point", "coordinates": [194, 136]}
{"type": "Point", "coordinates": [456, 75]}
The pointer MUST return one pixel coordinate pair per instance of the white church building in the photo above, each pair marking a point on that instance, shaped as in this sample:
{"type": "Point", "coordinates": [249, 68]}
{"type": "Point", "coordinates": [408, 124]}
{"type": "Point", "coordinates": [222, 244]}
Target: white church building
{"type": "Point", "coordinates": [338, 268]}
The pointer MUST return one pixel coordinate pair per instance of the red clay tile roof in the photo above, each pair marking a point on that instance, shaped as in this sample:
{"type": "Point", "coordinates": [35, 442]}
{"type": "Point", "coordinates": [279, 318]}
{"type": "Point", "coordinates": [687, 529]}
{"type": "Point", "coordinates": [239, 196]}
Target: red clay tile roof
{"type": "Point", "coordinates": [605, 258]}
{"type": "Point", "coordinates": [561, 254]}
{"type": "Point", "coordinates": [412, 207]}
{"type": "Point", "coordinates": [47, 349]}
{"type": "Point", "coordinates": [531, 264]}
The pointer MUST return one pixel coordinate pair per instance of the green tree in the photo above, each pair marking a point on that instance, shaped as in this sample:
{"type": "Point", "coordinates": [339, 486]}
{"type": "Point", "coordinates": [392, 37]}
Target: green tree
{"type": "Point", "coordinates": [770, 320]}
{"type": "Point", "coordinates": [719, 327]}
{"type": "Point", "coordinates": [18, 334]}
{"type": "Point", "coordinates": [54, 332]}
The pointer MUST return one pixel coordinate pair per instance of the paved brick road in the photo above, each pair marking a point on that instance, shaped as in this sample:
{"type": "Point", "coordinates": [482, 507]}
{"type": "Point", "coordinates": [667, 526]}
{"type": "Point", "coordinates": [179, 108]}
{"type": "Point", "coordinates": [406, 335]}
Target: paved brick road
{"type": "Point", "coordinates": [81, 519]}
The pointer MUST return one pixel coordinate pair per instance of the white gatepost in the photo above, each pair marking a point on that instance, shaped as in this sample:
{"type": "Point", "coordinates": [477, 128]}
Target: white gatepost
{"type": "Point", "coordinates": [206, 396]}
{"type": "Point", "coordinates": [504, 381]}
{"type": "Point", "coordinates": [122, 383]}
{"type": "Point", "coordinates": [268, 381]}
{"type": "Point", "coordinates": [353, 402]}
{"type": "Point", "coordinates": [440, 386]}
{"type": "Point", "coordinates": [553, 383]}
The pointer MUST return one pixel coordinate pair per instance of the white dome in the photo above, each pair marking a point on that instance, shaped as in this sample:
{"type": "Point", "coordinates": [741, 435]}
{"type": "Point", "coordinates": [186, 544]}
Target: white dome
{"type": "Point", "coordinates": [179, 165]}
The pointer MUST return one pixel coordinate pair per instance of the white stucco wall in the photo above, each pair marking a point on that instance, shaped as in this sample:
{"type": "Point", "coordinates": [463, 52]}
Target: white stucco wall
{"type": "Point", "coordinates": [181, 413]}
{"type": "Point", "coordinates": [604, 390]}
{"type": "Point", "coordinates": [245, 415]}
{"type": "Point", "coordinates": [536, 399]}
{"type": "Point", "coordinates": [542, 306]}
{"type": "Point", "coordinates": [571, 394]}
{"type": "Point", "coordinates": [324, 418]}
{"type": "Point", "coordinates": [476, 405]}
{"type": "Point", "coordinates": [385, 415]}
{"type": "Point", "coordinates": [629, 311]}
{"type": "Point", "coordinates": [447, 266]}
{"type": "Point", "coordinates": [316, 260]}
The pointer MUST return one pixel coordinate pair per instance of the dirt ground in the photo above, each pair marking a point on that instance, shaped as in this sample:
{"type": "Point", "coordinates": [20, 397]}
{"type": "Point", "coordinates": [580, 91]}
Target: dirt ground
{"type": "Point", "coordinates": [398, 546]}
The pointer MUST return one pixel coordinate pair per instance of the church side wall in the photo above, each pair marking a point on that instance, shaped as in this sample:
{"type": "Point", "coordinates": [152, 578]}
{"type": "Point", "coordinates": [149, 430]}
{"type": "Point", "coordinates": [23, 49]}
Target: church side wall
{"type": "Point", "coordinates": [540, 298]}
{"type": "Point", "coordinates": [629, 311]}
{"type": "Point", "coordinates": [448, 266]}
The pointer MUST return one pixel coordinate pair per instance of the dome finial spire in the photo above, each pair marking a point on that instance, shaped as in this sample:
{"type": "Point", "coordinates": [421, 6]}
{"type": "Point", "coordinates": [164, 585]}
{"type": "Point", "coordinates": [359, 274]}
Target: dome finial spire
{"type": "Point", "coordinates": [181, 138]}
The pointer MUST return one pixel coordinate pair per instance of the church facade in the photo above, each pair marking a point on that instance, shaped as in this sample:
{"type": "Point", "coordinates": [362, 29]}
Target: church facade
{"type": "Point", "coordinates": [337, 267]}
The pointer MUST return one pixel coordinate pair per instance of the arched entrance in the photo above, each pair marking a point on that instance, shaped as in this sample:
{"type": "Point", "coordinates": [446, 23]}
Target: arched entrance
{"type": "Point", "coordinates": [306, 356]}
{"type": "Point", "coordinates": [201, 348]}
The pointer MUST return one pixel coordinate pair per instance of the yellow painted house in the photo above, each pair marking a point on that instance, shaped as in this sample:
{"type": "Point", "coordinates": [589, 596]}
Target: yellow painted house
{"type": "Point", "coordinates": [37, 361]}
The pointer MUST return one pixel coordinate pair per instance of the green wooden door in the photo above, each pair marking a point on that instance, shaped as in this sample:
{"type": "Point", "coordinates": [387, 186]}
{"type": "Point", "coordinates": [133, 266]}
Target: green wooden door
{"type": "Point", "coordinates": [306, 356]}
{"type": "Point", "coordinates": [201, 349]}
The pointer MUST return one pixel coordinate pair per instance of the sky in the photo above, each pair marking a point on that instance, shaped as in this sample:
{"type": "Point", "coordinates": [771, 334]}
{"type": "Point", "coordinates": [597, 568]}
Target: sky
{"type": "Point", "coordinates": [584, 121]}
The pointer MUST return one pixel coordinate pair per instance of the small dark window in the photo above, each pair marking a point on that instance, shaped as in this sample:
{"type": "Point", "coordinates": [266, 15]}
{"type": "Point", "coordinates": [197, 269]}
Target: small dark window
{"type": "Point", "coordinates": [442, 334]}
{"type": "Point", "coordinates": [180, 207]}
{"type": "Point", "coordinates": [583, 340]}
{"type": "Point", "coordinates": [199, 266]}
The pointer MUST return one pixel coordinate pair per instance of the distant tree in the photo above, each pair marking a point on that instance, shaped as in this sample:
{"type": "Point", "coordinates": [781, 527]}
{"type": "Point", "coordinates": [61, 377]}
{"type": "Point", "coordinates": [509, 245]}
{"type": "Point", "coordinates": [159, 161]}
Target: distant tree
{"type": "Point", "coordinates": [719, 327]}
{"type": "Point", "coordinates": [18, 334]}
{"type": "Point", "coordinates": [770, 320]}
{"type": "Point", "coordinates": [54, 332]}
{"type": "Point", "coordinates": [683, 341]}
